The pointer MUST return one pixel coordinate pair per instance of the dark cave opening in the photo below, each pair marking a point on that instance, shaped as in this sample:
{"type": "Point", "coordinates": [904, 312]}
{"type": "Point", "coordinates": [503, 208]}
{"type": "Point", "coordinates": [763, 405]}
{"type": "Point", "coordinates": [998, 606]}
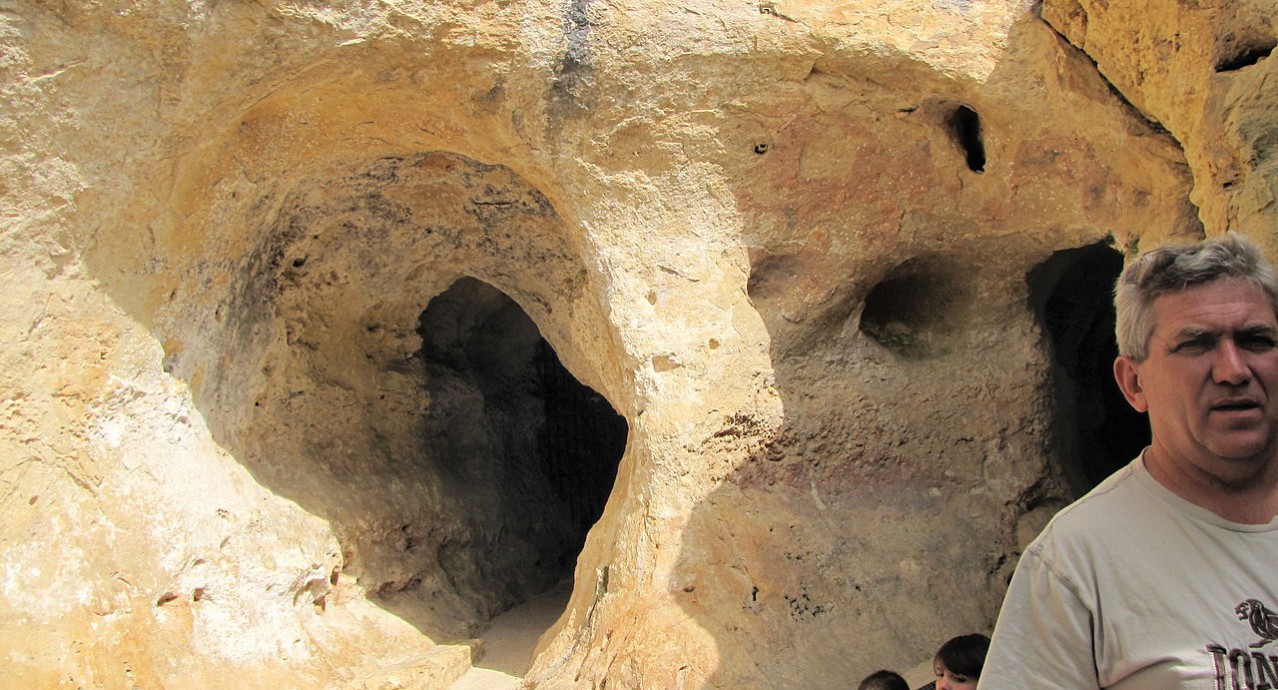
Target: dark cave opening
{"type": "Point", "coordinates": [916, 310]}
{"type": "Point", "coordinates": [531, 452]}
{"type": "Point", "coordinates": [580, 444]}
{"type": "Point", "coordinates": [1246, 54]}
{"type": "Point", "coordinates": [965, 125]}
{"type": "Point", "coordinates": [1096, 430]}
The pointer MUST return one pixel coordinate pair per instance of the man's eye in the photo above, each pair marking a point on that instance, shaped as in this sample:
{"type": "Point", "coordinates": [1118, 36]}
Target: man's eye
{"type": "Point", "coordinates": [1257, 343]}
{"type": "Point", "coordinates": [1195, 346]}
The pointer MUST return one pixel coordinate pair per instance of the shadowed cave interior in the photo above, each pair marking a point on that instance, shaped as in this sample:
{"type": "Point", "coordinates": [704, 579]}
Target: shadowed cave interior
{"type": "Point", "coordinates": [1097, 432]}
{"type": "Point", "coordinates": [917, 308]}
{"type": "Point", "coordinates": [550, 429]}
{"type": "Point", "coordinates": [528, 453]}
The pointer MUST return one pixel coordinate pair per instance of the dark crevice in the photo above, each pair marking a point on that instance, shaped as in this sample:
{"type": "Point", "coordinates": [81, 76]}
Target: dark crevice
{"type": "Point", "coordinates": [1245, 56]}
{"type": "Point", "coordinates": [1153, 123]}
{"type": "Point", "coordinates": [965, 125]}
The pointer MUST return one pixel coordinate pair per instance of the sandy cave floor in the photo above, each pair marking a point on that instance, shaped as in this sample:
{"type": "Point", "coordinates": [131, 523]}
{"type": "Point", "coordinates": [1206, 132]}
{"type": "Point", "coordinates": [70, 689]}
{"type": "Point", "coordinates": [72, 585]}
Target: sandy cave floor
{"type": "Point", "coordinates": [511, 639]}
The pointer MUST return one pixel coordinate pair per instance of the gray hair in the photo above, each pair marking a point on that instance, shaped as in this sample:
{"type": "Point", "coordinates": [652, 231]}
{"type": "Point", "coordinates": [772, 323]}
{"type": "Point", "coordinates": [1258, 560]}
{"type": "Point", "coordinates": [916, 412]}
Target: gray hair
{"type": "Point", "coordinates": [1177, 267]}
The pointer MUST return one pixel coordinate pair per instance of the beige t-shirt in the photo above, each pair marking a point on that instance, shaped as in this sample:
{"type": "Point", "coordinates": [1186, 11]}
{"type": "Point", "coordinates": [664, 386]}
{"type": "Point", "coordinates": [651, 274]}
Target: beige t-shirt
{"type": "Point", "coordinates": [1134, 588]}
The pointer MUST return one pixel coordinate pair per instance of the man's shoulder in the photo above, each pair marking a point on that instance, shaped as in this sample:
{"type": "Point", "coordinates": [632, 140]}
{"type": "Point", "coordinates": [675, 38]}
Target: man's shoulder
{"type": "Point", "coordinates": [1114, 506]}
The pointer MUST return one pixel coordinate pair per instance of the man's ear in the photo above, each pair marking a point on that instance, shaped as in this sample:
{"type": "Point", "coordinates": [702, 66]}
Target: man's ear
{"type": "Point", "coordinates": [1127, 374]}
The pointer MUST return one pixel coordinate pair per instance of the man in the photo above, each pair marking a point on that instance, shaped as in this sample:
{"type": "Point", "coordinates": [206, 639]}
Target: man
{"type": "Point", "coordinates": [1165, 575]}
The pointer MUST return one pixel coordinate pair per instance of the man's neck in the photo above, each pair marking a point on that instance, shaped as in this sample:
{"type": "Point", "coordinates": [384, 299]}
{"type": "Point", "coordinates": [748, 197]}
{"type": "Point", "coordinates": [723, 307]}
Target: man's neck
{"type": "Point", "coordinates": [1241, 492]}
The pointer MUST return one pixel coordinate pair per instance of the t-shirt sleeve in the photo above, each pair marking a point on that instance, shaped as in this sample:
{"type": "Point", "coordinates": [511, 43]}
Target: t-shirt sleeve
{"type": "Point", "coordinates": [1043, 638]}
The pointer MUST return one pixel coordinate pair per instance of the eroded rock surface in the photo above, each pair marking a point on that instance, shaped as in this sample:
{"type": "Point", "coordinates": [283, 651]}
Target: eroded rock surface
{"type": "Point", "coordinates": [333, 331]}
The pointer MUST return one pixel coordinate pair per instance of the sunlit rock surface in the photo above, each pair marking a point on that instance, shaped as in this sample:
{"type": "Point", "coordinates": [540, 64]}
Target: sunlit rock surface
{"type": "Point", "coordinates": [331, 331]}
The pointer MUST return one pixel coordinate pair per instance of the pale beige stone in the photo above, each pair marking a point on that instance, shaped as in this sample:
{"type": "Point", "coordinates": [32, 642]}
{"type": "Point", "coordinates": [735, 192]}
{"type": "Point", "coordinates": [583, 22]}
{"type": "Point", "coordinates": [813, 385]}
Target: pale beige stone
{"type": "Point", "coordinates": [227, 458]}
{"type": "Point", "coordinates": [437, 669]}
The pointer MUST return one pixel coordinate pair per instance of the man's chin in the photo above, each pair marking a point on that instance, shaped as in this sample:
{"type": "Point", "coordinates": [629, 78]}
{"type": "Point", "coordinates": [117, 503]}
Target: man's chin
{"type": "Point", "coordinates": [1245, 450]}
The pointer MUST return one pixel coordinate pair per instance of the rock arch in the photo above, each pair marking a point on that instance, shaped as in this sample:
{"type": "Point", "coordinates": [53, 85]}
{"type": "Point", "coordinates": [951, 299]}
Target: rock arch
{"type": "Point", "coordinates": [375, 353]}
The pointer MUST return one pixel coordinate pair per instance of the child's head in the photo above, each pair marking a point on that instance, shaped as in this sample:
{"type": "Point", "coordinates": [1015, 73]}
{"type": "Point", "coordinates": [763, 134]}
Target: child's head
{"type": "Point", "coordinates": [958, 662]}
{"type": "Point", "coordinates": [883, 680]}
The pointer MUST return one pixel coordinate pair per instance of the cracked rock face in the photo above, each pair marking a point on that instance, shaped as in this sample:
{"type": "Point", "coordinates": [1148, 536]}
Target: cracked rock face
{"type": "Point", "coordinates": [779, 327]}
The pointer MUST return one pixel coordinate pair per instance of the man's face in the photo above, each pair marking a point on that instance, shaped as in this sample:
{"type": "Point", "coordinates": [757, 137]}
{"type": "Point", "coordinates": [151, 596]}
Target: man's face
{"type": "Point", "coordinates": [1209, 380]}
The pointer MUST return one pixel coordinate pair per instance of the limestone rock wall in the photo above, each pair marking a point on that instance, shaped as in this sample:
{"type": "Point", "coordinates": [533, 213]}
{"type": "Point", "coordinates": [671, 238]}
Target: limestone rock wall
{"type": "Point", "coordinates": [254, 427]}
{"type": "Point", "coordinates": [1203, 73]}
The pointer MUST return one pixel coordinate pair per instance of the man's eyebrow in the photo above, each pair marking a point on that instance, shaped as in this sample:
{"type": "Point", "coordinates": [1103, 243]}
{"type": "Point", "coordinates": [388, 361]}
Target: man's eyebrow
{"type": "Point", "coordinates": [1259, 329]}
{"type": "Point", "coordinates": [1195, 332]}
{"type": "Point", "coordinates": [1190, 332]}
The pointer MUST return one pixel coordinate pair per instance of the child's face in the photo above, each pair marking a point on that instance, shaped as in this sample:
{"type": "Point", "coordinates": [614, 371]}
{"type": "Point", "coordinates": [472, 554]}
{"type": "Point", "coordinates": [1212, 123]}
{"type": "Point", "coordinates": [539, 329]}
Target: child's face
{"type": "Point", "coordinates": [948, 680]}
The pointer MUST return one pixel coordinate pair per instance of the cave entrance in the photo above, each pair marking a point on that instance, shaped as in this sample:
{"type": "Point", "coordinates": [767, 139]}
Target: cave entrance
{"type": "Point", "coordinates": [1097, 432]}
{"type": "Point", "coordinates": [529, 453]}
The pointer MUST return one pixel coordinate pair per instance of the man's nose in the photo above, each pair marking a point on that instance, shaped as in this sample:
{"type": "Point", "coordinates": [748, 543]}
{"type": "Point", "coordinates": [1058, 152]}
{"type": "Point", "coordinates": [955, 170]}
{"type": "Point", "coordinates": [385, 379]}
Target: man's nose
{"type": "Point", "coordinates": [1229, 368]}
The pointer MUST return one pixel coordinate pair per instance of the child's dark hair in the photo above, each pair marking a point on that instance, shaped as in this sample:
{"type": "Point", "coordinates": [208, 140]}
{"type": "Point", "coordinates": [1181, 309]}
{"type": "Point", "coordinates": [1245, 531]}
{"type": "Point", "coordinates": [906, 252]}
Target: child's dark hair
{"type": "Point", "coordinates": [965, 654]}
{"type": "Point", "coordinates": [883, 680]}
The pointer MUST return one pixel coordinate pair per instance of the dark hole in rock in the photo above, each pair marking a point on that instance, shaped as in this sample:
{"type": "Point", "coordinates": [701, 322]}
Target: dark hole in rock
{"type": "Point", "coordinates": [965, 125]}
{"type": "Point", "coordinates": [916, 309]}
{"type": "Point", "coordinates": [1246, 55]}
{"type": "Point", "coordinates": [1072, 295]}
{"type": "Point", "coordinates": [525, 432]}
